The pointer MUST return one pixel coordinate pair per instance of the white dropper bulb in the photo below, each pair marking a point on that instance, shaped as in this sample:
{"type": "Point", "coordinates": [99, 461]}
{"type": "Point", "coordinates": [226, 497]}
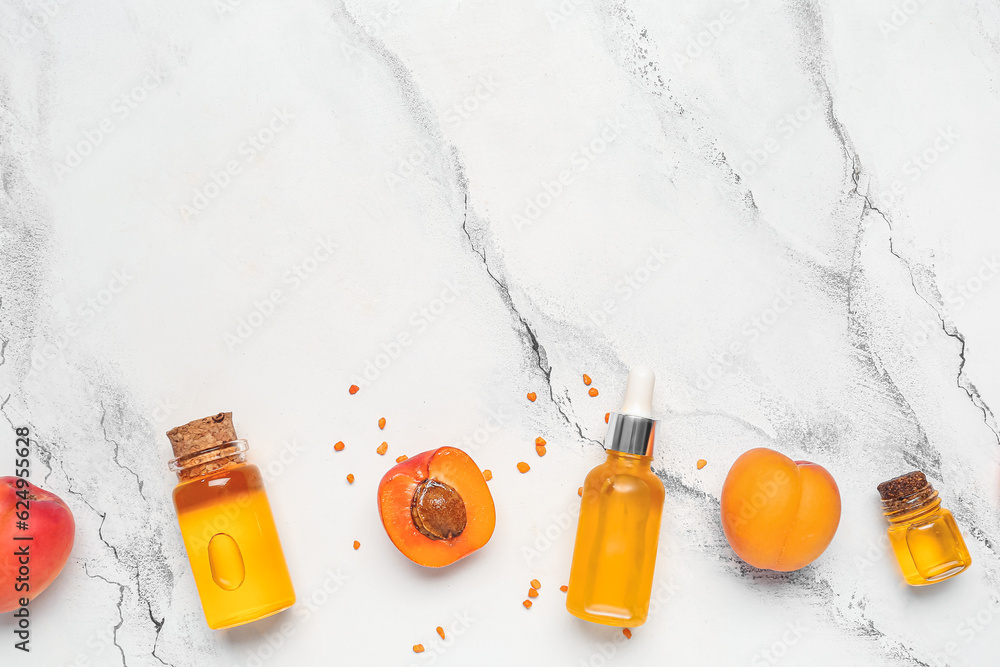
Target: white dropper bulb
{"type": "Point", "coordinates": [639, 392]}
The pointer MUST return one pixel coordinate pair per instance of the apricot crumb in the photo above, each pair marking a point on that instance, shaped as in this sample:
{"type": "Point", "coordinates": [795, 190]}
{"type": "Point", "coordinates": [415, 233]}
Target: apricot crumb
{"type": "Point", "coordinates": [488, 474]}
{"type": "Point", "coordinates": [350, 478]}
{"type": "Point", "coordinates": [540, 450]}
{"type": "Point", "coordinates": [627, 633]}
{"type": "Point", "coordinates": [702, 463]}
{"type": "Point", "coordinates": [532, 593]}
{"type": "Point", "coordinates": [381, 422]}
{"type": "Point", "coordinates": [523, 467]}
{"type": "Point", "coordinates": [586, 379]}
{"type": "Point", "coordinates": [532, 396]}
{"type": "Point", "coordinates": [527, 604]}
{"type": "Point", "coordinates": [607, 417]}
{"type": "Point", "coordinates": [418, 648]}
{"type": "Point", "coordinates": [354, 389]}
{"type": "Point", "coordinates": [440, 631]}
{"type": "Point", "coordinates": [540, 441]}
{"type": "Point", "coordinates": [401, 458]}
{"type": "Point", "coordinates": [357, 545]}
{"type": "Point", "coordinates": [382, 448]}
{"type": "Point", "coordinates": [339, 447]}
{"type": "Point", "coordinates": [564, 588]}
{"type": "Point", "coordinates": [536, 584]}
{"type": "Point", "coordinates": [593, 391]}
{"type": "Point", "coordinates": [579, 492]}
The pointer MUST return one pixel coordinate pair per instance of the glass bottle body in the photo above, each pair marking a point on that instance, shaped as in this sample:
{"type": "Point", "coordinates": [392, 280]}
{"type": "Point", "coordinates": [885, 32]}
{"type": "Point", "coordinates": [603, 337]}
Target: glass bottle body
{"type": "Point", "coordinates": [233, 545]}
{"type": "Point", "coordinates": [611, 578]}
{"type": "Point", "coordinates": [925, 538]}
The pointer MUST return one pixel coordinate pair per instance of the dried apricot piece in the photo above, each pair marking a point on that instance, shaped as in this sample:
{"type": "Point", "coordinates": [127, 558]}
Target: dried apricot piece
{"type": "Point", "coordinates": [579, 492]}
{"type": "Point", "coordinates": [440, 631]}
{"type": "Point", "coordinates": [702, 463]}
{"type": "Point", "coordinates": [401, 458]}
{"type": "Point", "coordinates": [381, 422]}
{"type": "Point", "coordinates": [339, 447]}
{"type": "Point", "coordinates": [540, 441]}
{"type": "Point", "coordinates": [523, 467]}
{"type": "Point", "coordinates": [418, 648]}
{"type": "Point", "coordinates": [593, 391]}
{"type": "Point", "coordinates": [564, 588]}
{"type": "Point", "coordinates": [488, 474]}
{"type": "Point", "coordinates": [354, 389]}
{"type": "Point", "coordinates": [527, 604]}
{"type": "Point", "coordinates": [532, 593]}
{"type": "Point", "coordinates": [357, 545]}
{"type": "Point", "coordinates": [382, 448]}
{"type": "Point", "coordinates": [627, 633]}
{"type": "Point", "coordinates": [350, 478]}
{"type": "Point", "coordinates": [536, 584]}
{"type": "Point", "coordinates": [540, 450]}
{"type": "Point", "coordinates": [586, 379]}
{"type": "Point", "coordinates": [532, 396]}
{"type": "Point", "coordinates": [607, 417]}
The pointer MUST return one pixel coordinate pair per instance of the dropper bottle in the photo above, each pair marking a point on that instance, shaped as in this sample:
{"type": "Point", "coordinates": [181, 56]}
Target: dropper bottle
{"type": "Point", "coordinates": [611, 578]}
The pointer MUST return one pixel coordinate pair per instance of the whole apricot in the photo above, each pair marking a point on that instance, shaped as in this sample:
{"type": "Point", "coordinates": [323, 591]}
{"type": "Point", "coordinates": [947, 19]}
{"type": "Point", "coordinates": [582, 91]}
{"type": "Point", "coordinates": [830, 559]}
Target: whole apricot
{"type": "Point", "coordinates": [779, 514]}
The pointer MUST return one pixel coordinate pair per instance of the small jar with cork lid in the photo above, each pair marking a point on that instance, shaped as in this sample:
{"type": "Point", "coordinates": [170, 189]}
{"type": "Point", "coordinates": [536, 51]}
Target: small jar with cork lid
{"type": "Point", "coordinates": [227, 525]}
{"type": "Point", "coordinates": [924, 536]}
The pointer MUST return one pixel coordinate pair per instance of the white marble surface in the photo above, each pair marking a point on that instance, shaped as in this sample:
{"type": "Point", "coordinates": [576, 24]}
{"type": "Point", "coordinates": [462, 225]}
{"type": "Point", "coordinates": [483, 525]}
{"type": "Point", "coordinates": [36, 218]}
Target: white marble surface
{"type": "Point", "coordinates": [516, 193]}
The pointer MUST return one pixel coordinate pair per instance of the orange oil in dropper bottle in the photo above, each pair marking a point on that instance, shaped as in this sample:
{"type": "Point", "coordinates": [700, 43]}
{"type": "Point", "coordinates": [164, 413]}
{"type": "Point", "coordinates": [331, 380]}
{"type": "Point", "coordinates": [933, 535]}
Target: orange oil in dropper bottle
{"type": "Point", "coordinates": [611, 578]}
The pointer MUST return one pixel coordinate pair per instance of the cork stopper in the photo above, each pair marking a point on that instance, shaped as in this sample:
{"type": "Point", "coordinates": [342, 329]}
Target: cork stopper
{"type": "Point", "coordinates": [902, 486]}
{"type": "Point", "coordinates": [202, 434]}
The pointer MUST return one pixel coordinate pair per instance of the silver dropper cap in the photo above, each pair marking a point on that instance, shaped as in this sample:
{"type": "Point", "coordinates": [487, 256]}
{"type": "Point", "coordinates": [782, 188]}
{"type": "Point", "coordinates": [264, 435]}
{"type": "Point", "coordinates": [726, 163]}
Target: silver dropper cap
{"type": "Point", "coordinates": [633, 430]}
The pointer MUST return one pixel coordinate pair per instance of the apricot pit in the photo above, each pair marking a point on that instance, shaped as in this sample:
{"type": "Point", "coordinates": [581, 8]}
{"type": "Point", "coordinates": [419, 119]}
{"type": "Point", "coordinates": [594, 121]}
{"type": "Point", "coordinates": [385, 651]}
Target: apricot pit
{"type": "Point", "coordinates": [438, 511]}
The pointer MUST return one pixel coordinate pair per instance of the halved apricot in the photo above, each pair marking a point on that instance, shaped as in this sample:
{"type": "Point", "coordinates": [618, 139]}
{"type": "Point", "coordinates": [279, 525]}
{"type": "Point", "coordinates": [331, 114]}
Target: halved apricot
{"type": "Point", "coordinates": [436, 507]}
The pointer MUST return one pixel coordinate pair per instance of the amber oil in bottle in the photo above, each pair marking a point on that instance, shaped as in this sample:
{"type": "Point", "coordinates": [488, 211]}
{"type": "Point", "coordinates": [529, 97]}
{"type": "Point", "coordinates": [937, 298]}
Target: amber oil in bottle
{"type": "Point", "coordinates": [924, 536]}
{"type": "Point", "coordinates": [611, 577]}
{"type": "Point", "coordinates": [227, 525]}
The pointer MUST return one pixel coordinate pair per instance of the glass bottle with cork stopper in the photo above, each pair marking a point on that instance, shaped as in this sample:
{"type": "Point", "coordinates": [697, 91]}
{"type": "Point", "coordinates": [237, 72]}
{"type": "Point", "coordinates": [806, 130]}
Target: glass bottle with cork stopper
{"type": "Point", "coordinates": [611, 578]}
{"type": "Point", "coordinates": [924, 536]}
{"type": "Point", "coordinates": [227, 525]}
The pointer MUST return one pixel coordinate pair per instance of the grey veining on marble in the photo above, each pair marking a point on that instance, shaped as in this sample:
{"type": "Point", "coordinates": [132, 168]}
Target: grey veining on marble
{"type": "Point", "coordinates": [787, 208]}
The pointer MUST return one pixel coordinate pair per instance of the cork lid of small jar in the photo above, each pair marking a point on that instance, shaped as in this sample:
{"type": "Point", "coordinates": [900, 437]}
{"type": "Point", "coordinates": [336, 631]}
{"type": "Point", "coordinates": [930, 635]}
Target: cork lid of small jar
{"type": "Point", "coordinates": [902, 486]}
{"type": "Point", "coordinates": [202, 434]}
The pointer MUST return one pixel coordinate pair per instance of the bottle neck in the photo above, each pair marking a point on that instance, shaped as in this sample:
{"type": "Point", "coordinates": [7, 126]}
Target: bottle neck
{"type": "Point", "coordinates": [208, 461]}
{"type": "Point", "coordinates": [627, 460]}
{"type": "Point", "coordinates": [912, 506]}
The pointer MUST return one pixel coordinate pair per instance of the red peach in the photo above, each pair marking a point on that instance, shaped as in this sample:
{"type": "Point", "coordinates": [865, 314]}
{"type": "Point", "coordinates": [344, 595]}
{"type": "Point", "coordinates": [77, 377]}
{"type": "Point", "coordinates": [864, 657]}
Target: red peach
{"type": "Point", "coordinates": [50, 524]}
